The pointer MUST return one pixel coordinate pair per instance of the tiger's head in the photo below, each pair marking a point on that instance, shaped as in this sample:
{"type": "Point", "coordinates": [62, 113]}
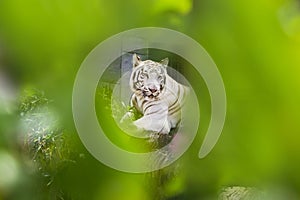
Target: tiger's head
{"type": "Point", "coordinates": [148, 78]}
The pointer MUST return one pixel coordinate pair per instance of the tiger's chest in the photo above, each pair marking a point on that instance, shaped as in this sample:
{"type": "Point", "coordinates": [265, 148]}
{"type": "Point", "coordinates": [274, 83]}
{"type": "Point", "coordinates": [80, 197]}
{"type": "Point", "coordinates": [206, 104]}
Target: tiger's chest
{"type": "Point", "coordinates": [166, 106]}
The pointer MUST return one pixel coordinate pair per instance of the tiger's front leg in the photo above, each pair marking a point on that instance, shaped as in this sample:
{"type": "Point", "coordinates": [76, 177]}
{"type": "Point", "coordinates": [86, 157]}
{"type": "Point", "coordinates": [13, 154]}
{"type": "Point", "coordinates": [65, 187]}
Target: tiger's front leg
{"type": "Point", "coordinates": [155, 119]}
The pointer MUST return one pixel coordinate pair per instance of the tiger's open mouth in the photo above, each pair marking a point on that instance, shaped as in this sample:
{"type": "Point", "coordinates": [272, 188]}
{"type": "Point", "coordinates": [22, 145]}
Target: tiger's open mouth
{"type": "Point", "coordinates": [150, 95]}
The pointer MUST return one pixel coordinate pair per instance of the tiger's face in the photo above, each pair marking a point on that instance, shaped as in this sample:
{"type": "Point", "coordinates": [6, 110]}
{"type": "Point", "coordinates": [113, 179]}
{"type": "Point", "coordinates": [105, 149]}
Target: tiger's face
{"type": "Point", "coordinates": [148, 78]}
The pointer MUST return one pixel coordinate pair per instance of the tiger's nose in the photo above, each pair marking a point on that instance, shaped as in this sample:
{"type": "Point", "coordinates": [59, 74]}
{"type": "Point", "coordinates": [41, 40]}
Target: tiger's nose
{"type": "Point", "coordinates": [153, 90]}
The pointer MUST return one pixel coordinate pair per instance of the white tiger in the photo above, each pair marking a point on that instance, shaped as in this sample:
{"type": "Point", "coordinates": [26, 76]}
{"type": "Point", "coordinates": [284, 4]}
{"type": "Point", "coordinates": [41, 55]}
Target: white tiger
{"type": "Point", "coordinates": [156, 95]}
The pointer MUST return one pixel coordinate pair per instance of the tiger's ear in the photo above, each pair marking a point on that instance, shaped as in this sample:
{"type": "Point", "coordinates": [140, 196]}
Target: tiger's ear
{"type": "Point", "coordinates": [164, 62]}
{"type": "Point", "coordinates": [135, 60]}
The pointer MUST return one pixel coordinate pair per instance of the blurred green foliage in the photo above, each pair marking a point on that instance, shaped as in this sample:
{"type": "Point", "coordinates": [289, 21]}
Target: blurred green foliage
{"type": "Point", "coordinates": [44, 141]}
{"type": "Point", "coordinates": [255, 45]}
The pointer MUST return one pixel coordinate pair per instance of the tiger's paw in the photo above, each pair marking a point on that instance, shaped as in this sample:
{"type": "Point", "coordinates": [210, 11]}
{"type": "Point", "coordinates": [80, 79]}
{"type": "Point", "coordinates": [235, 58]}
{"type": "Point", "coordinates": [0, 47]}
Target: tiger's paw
{"type": "Point", "coordinates": [152, 126]}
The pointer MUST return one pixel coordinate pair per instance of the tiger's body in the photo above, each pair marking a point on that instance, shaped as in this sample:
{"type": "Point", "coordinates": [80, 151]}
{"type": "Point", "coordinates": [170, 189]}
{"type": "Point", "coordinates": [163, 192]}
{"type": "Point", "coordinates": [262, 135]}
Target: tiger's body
{"type": "Point", "coordinates": [156, 95]}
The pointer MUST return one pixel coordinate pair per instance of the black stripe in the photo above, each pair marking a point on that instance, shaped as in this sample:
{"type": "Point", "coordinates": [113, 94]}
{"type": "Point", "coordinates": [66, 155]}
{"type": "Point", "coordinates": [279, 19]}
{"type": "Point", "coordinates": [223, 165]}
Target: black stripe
{"type": "Point", "coordinates": [134, 74]}
{"type": "Point", "coordinates": [144, 101]}
{"type": "Point", "coordinates": [174, 111]}
{"type": "Point", "coordinates": [131, 101]}
{"type": "Point", "coordinates": [134, 101]}
{"type": "Point", "coordinates": [148, 106]}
